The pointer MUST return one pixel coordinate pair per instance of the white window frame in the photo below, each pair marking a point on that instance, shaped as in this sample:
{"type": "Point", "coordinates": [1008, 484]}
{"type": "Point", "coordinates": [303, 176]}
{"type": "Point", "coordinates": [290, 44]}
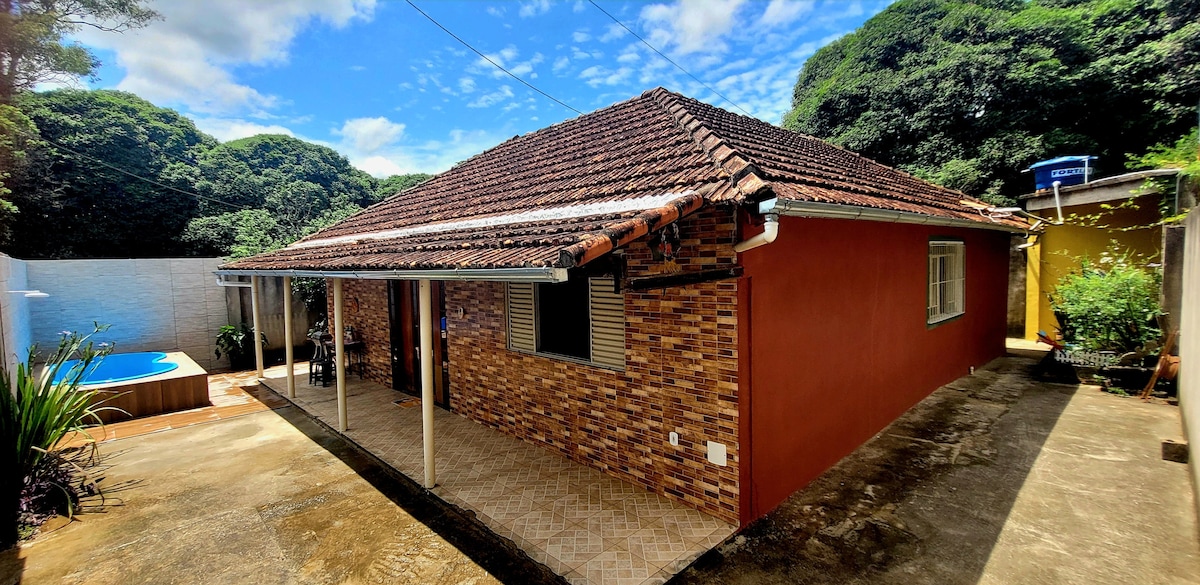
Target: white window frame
{"type": "Point", "coordinates": [606, 323]}
{"type": "Point", "coordinates": [946, 298]}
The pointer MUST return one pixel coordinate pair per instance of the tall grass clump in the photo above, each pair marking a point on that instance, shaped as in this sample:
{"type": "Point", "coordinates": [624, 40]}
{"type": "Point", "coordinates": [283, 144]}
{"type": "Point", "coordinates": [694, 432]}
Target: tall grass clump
{"type": "Point", "coordinates": [37, 477]}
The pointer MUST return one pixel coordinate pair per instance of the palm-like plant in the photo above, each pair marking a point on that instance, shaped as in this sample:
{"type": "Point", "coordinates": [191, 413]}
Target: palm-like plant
{"type": "Point", "coordinates": [36, 413]}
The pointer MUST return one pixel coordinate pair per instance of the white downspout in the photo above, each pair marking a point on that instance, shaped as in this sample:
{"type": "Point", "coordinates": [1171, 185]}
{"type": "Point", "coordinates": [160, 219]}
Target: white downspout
{"type": "Point", "coordinates": [255, 287]}
{"type": "Point", "coordinates": [339, 351]}
{"type": "Point", "coordinates": [768, 235]}
{"type": "Point", "coordinates": [287, 337]}
{"type": "Point", "coordinates": [425, 307]}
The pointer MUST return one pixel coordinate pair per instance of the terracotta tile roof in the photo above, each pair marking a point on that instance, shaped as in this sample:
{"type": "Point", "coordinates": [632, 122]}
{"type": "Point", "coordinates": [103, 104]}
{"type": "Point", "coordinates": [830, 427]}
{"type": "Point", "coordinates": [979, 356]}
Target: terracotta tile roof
{"type": "Point", "coordinates": [639, 164]}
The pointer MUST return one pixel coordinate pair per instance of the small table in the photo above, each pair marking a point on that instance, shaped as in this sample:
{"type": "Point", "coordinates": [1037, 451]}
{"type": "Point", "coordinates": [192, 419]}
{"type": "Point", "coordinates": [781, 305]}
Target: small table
{"type": "Point", "coordinates": [355, 355]}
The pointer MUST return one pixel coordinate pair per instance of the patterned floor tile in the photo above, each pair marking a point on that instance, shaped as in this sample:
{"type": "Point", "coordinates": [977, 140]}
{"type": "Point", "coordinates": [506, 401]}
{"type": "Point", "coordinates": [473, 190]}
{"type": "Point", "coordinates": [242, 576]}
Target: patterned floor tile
{"type": "Point", "coordinates": [617, 566]}
{"type": "Point", "coordinates": [505, 507]}
{"type": "Point", "coordinates": [578, 506]}
{"type": "Point", "coordinates": [658, 545]}
{"type": "Point", "coordinates": [693, 526]}
{"type": "Point", "coordinates": [536, 527]}
{"type": "Point", "coordinates": [574, 546]}
{"type": "Point", "coordinates": [618, 523]}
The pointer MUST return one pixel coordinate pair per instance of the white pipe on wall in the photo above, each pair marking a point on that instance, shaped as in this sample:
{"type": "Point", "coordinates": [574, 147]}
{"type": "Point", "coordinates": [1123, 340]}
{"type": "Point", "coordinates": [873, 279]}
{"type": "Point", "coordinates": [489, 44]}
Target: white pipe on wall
{"type": "Point", "coordinates": [1058, 202]}
{"type": "Point", "coordinates": [255, 287]}
{"type": "Point", "coordinates": [425, 303]}
{"type": "Point", "coordinates": [768, 235]}
{"type": "Point", "coordinates": [339, 349]}
{"type": "Point", "coordinates": [289, 359]}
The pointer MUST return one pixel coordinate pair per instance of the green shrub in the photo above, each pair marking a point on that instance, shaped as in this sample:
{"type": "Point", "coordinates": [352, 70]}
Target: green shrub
{"type": "Point", "coordinates": [1110, 305]}
{"type": "Point", "coordinates": [36, 413]}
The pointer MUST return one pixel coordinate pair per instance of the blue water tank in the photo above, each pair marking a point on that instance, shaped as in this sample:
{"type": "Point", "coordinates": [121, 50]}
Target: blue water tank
{"type": "Point", "coordinates": [1067, 170]}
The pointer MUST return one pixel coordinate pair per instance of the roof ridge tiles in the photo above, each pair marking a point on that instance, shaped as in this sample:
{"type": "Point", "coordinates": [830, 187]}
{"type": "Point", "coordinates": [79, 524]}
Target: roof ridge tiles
{"type": "Point", "coordinates": [745, 176]}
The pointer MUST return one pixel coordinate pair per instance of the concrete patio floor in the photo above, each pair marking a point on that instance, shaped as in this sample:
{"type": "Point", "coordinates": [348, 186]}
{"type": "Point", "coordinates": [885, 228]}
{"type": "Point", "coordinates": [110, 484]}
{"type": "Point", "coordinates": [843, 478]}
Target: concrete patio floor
{"type": "Point", "coordinates": [265, 497]}
{"type": "Point", "coordinates": [584, 525]}
{"type": "Point", "coordinates": [995, 478]}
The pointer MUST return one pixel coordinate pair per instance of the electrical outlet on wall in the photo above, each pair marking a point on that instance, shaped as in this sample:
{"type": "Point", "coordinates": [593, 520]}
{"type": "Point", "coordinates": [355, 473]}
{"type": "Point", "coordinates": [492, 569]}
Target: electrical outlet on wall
{"type": "Point", "coordinates": [674, 438]}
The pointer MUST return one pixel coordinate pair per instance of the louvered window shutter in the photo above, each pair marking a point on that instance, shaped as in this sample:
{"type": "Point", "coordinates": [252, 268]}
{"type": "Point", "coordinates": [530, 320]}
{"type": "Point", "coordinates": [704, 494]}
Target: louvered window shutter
{"type": "Point", "coordinates": [608, 323]}
{"type": "Point", "coordinates": [520, 317]}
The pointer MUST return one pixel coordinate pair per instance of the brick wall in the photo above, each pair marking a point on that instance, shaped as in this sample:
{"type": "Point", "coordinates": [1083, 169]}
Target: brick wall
{"type": "Point", "coordinates": [365, 308]}
{"type": "Point", "coordinates": [681, 375]}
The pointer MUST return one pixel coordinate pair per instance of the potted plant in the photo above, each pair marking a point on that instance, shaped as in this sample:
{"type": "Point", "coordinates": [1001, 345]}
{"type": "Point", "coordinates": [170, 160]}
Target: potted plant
{"type": "Point", "coordinates": [236, 342]}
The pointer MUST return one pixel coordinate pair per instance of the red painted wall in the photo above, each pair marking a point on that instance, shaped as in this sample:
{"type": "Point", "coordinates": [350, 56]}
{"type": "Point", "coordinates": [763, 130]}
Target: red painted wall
{"type": "Point", "coordinates": [839, 346]}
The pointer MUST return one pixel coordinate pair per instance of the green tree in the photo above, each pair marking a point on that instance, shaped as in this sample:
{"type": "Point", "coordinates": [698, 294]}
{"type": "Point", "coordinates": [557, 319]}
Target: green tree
{"type": "Point", "coordinates": [32, 35]}
{"type": "Point", "coordinates": [76, 195]}
{"type": "Point", "coordinates": [397, 183]}
{"type": "Point", "coordinates": [299, 186]}
{"type": "Point", "coordinates": [970, 92]}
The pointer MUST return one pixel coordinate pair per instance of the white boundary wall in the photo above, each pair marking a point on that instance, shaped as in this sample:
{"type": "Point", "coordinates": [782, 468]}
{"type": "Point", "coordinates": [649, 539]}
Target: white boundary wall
{"type": "Point", "coordinates": [158, 304]}
{"type": "Point", "coordinates": [1189, 344]}
{"type": "Point", "coordinates": [14, 312]}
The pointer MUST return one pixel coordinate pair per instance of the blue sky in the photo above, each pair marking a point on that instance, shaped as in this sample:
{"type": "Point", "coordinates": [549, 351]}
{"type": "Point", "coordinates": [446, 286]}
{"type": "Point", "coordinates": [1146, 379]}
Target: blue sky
{"type": "Point", "coordinates": [388, 89]}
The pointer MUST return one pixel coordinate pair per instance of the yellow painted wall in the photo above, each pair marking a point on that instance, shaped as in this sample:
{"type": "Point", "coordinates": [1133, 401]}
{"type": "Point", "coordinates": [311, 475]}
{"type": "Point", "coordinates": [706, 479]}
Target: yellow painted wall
{"type": "Point", "coordinates": [1059, 248]}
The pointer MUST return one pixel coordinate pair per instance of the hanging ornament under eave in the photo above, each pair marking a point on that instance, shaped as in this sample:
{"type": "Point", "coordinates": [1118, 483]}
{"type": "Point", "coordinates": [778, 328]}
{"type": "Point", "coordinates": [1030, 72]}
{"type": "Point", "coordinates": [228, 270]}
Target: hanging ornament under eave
{"type": "Point", "coordinates": [664, 246]}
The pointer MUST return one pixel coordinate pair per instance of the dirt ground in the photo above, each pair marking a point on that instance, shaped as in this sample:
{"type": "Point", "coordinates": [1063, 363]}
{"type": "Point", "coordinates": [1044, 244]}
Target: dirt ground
{"type": "Point", "coordinates": [995, 478]}
{"type": "Point", "coordinates": [269, 497]}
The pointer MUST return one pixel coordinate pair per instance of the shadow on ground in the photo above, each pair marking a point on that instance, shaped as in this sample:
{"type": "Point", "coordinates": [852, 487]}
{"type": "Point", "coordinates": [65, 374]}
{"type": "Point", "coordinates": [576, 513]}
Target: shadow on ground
{"type": "Point", "coordinates": [929, 495]}
{"type": "Point", "coordinates": [498, 556]}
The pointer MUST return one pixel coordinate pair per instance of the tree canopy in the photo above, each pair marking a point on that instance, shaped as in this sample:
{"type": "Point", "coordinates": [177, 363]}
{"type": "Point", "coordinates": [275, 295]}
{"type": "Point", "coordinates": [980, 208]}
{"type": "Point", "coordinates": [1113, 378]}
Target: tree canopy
{"type": "Point", "coordinates": [968, 93]}
{"type": "Point", "coordinates": [32, 32]}
{"type": "Point", "coordinates": [78, 196]}
{"type": "Point", "coordinates": [107, 174]}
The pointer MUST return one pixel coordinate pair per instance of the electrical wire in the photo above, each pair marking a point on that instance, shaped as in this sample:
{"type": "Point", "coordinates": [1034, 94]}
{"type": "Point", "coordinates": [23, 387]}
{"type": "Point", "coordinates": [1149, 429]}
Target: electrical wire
{"type": "Point", "coordinates": [141, 178]}
{"type": "Point", "coordinates": [489, 60]}
{"type": "Point", "coordinates": [660, 54]}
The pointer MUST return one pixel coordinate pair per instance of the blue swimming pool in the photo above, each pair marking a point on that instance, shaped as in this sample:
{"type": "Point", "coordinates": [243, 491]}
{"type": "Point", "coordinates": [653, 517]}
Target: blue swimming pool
{"type": "Point", "coordinates": [119, 367]}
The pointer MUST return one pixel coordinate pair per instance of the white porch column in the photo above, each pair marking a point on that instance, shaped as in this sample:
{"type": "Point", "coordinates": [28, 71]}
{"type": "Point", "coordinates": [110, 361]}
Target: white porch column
{"type": "Point", "coordinates": [339, 350]}
{"type": "Point", "coordinates": [255, 284]}
{"type": "Point", "coordinates": [287, 337]}
{"type": "Point", "coordinates": [426, 329]}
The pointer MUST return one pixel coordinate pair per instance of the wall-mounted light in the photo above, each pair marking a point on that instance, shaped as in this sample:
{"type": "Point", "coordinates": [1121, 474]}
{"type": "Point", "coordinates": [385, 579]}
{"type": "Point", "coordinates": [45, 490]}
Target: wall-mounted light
{"type": "Point", "coordinates": [30, 294]}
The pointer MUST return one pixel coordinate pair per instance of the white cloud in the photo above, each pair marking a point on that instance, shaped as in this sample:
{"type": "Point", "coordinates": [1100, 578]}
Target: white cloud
{"type": "Point", "coordinates": [581, 36]}
{"type": "Point", "coordinates": [534, 8]}
{"type": "Point", "coordinates": [369, 135]}
{"type": "Point", "coordinates": [579, 6]}
{"type": "Point", "coordinates": [226, 129]}
{"type": "Point", "coordinates": [597, 75]}
{"type": "Point", "coordinates": [497, 11]}
{"type": "Point", "coordinates": [186, 57]}
{"type": "Point", "coordinates": [378, 166]}
{"type": "Point", "coordinates": [629, 57]}
{"type": "Point", "coordinates": [782, 12]}
{"type": "Point", "coordinates": [614, 32]}
{"type": "Point", "coordinates": [466, 85]}
{"type": "Point", "coordinates": [432, 156]}
{"type": "Point", "coordinates": [486, 100]}
{"type": "Point", "coordinates": [561, 63]}
{"type": "Point", "coordinates": [357, 68]}
{"type": "Point", "coordinates": [689, 27]}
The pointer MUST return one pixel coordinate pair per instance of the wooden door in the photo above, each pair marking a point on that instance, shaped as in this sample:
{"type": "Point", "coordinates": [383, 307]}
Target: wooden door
{"type": "Point", "coordinates": [404, 313]}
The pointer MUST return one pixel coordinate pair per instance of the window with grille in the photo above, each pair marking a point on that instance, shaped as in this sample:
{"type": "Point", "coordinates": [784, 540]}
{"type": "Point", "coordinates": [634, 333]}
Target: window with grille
{"type": "Point", "coordinates": [581, 319]}
{"type": "Point", "coordinates": [947, 273]}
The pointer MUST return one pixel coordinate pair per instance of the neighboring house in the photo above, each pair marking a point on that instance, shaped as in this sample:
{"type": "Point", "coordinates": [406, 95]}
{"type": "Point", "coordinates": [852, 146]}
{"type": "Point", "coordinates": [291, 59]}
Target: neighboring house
{"type": "Point", "coordinates": [593, 301]}
{"type": "Point", "coordinates": [1120, 213]}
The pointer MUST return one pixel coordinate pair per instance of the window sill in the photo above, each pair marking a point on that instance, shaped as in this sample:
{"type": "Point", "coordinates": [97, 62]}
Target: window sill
{"type": "Point", "coordinates": [944, 319]}
{"type": "Point", "coordinates": [567, 358]}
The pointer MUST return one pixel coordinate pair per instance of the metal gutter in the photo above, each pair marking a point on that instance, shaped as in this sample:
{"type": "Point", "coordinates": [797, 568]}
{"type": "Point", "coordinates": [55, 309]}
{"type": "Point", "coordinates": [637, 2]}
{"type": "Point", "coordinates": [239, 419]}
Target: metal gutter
{"type": "Point", "coordinates": [538, 274]}
{"type": "Point", "coordinates": [837, 211]}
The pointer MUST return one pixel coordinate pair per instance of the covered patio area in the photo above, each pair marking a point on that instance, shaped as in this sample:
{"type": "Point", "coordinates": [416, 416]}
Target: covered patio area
{"type": "Point", "coordinates": [584, 525]}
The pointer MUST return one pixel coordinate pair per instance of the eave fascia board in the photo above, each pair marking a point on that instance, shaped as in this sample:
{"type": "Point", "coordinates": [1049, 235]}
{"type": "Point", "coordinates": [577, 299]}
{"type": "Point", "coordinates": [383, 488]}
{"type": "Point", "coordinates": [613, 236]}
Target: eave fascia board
{"type": "Point", "coordinates": [836, 211]}
{"type": "Point", "coordinates": [539, 274]}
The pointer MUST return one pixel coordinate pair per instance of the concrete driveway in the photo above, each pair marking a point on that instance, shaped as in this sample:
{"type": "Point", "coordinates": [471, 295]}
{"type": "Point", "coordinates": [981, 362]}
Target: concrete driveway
{"type": "Point", "coordinates": [995, 478]}
{"type": "Point", "coordinates": [269, 497]}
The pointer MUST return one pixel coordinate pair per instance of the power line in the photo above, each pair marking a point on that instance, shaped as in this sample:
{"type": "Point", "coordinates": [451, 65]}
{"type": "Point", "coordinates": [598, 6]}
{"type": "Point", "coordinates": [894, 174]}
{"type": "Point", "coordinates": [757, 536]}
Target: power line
{"type": "Point", "coordinates": [141, 178]}
{"type": "Point", "coordinates": [489, 60]}
{"type": "Point", "coordinates": [660, 54]}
